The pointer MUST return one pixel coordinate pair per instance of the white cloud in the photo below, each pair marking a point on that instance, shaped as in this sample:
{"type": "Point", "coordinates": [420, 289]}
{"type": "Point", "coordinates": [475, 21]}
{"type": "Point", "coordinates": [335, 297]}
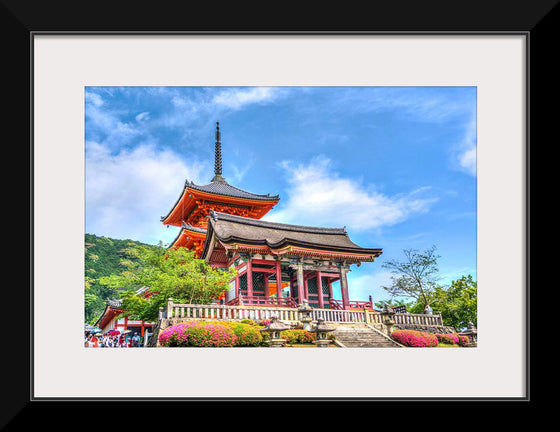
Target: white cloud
{"type": "Point", "coordinates": [93, 98]}
{"type": "Point", "coordinates": [420, 103]}
{"type": "Point", "coordinates": [127, 193]}
{"type": "Point", "coordinates": [239, 173]}
{"type": "Point", "coordinates": [466, 157]}
{"type": "Point", "coordinates": [144, 116]}
{"type": "Point", "coordinates": [107, 124]}
{"type": "Point", "coordinates": [237, 98]}
{"type": "Point", "coordinates": [318, 196]}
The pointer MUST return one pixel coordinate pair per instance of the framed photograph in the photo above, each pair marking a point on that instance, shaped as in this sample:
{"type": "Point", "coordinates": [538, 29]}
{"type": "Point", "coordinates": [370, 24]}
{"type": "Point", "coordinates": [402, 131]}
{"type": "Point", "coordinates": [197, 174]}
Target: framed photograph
{"type": "Point", "coordinates": [378, 129]}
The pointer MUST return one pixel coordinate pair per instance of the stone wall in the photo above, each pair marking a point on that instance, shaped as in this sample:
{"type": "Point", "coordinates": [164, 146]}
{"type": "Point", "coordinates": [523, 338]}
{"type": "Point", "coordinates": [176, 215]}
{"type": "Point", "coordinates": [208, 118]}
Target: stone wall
{"type": "Point", "coordinates": [425, 328]}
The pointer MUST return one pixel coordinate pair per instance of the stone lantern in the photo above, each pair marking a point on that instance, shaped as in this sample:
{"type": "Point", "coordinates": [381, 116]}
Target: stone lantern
{"type": "Point", "coordinates": [321, 330]}
{"type": "Point", "coordinates": [387, 314]}
{"type": "Point", "coordinates": [274, 330]}
{"type": "Point", "coordinates": [470, 332]}
{"type": "Point", "coordinates": [305, 312]}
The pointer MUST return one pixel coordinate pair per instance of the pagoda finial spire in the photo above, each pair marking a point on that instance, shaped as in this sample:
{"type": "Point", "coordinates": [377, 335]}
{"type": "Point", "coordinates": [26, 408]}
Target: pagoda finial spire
{"type": "Point", "coordinates": [218, 157]}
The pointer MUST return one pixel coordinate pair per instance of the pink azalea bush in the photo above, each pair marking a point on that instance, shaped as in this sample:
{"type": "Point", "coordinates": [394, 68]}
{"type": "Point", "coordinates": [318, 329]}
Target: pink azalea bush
{"type": "Point", "coordinates": [211, 334]}
{"type": "Point", "coordinates": [198, 334]}
{"type": "Point", "coordinates": [451, 338]}
{"type": "Point", "coordinates": [413, 338]}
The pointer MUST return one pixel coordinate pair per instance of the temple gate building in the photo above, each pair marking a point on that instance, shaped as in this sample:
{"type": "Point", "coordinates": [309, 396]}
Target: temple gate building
{"type": "Point", "coordinates": [308, 259]}
{"type": "Point", "coordinates": [277, 264]}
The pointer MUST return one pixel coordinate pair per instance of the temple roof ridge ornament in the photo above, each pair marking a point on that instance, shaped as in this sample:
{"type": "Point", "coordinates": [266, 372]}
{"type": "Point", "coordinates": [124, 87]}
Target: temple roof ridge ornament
{"type": "Point", "coordinates": [219, 185]}
{"type": "Point", "coordinates": [218, 157]}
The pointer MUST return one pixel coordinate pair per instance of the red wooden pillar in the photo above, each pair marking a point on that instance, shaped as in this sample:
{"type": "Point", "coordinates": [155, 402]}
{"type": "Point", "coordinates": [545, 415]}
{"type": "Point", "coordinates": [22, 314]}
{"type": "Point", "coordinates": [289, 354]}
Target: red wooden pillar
{"type": "Point", "coordinates": [344, 287]}
{"type": "Point", "coordinates": [236, 286]}
{"type": "Point", "coordinates": [306, 289]}
{"type": "Point", "coordinates": [320, 290]}
{"type": "Point", "coordinates": [278, 279]}
{"type": "Point", "coordinates": [300, 282]}
{"type": "Point", "coordinates": [249, 277]}
{"type": "Point", "coordinates": [266, 286]}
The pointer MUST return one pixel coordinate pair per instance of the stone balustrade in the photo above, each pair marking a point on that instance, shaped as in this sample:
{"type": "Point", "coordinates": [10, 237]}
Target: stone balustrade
{"type": "Point", "coordinates": [181, 312]}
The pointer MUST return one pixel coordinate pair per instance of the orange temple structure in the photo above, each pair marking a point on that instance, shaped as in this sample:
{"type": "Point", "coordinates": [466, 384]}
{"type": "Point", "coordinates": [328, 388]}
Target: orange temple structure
{"type": "Point", "coordinates": [277, 264]}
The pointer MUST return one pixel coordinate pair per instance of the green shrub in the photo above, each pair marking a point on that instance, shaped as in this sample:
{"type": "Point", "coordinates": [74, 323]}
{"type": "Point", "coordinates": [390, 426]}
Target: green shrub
{"type": "Point", "coordinates": [247, 334]}
{"type": "Point", "coordinates": [248, 321]}
{"type": "Point", "coordinates": [296, 336]}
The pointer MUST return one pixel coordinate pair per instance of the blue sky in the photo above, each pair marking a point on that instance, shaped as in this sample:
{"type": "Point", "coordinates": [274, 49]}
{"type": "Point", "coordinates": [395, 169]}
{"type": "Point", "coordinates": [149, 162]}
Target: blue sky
{"type": "Point", "coordinates": [396, 166]}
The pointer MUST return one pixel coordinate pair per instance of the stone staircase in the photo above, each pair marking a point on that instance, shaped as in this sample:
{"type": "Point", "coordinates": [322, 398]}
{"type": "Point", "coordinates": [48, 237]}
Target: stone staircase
{"type": "Point", "coordinates": [362, 336]}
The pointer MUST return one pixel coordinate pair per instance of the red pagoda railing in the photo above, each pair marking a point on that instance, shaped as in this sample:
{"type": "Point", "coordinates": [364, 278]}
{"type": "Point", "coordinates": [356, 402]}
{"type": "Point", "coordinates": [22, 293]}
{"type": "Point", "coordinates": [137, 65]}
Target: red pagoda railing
{"type": "Point", "coordinates": [263, 301]}
{"type": "Point", "coordinates": [352, 304]}
{"type": "Point", "coordinates": [291, 302]}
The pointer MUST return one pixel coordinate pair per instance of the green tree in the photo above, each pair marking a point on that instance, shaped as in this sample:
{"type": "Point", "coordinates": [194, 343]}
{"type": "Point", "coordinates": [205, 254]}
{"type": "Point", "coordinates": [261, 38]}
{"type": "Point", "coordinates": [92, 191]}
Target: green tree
{"type": "Point", "coordinates": [102, 257]}
{"type": "Point", "coordinates": [168, 273]}
{"type": "Point", "coordinates": [394, 302]}
{"type": "Point", "coordinates": [457, 303]}
{"type": "Point", "coordinates": [93, 304]}
{"type": "Point", "coordinates": [415, 277]}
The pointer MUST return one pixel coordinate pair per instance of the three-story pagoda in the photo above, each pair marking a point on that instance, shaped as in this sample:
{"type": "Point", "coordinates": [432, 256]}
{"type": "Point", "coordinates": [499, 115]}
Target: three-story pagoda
{"type": "Point", "coordinates": [193, 206]}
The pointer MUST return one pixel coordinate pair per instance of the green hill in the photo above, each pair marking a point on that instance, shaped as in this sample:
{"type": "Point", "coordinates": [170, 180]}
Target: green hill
{"type": "Point", "coordinates": [102, 258]}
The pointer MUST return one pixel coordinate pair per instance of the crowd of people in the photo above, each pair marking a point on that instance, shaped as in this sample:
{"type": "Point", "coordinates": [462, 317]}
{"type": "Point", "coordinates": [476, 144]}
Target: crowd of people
{"type": "Point", "coordinates": [127, 340]}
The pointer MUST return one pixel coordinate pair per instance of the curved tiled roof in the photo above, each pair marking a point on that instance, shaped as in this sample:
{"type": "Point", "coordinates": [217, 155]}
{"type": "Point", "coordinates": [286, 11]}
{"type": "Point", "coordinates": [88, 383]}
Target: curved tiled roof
{"type": "Point", "coordinates": [193, 228]}
{"type": "Point", "coordinates": [187, 227]}
{"type": "Point", "coordinates": [275, 225]}
{"type": "Point", "coordinates": [231, 229]}
{"type": "Point", "coordinates": [221, 187]}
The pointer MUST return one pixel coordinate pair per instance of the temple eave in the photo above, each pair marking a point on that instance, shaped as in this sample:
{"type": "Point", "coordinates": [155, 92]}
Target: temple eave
{"type": "Point", "coordinates": [191, 238]}
{"type": "Point", "coordinates": [192, 200]}
{"type": "Point", "coordinates": [292, 250]}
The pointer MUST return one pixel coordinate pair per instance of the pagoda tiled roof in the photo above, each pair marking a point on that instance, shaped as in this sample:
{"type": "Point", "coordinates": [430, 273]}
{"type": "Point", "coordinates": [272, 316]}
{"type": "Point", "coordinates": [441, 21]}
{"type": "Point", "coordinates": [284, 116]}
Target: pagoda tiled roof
{"type": "Point", "coordinates": [237, 229]}
{"type": "Point", "coordinates": [190, 227]}
{"type": "Point", "coordinates": [114, 302]}
{"type": "Point", "coordinates": [187, 227]}
{"type": "Point", "coordinates": [222, 187]}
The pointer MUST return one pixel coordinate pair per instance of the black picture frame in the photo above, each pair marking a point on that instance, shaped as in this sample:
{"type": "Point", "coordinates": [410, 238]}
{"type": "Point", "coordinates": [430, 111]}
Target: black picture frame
{"type": "Point", "coordinates": [20, 20]}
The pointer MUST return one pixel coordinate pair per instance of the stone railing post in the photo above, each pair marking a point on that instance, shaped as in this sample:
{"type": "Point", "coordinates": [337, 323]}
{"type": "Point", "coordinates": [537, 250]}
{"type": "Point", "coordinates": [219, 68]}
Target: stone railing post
{"type": "Point", "coordinates": [169, 308]}
{"type": "Point", "coordinates": [305, 315]}
{"type": "Point", "coordinates": [388, 319]}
